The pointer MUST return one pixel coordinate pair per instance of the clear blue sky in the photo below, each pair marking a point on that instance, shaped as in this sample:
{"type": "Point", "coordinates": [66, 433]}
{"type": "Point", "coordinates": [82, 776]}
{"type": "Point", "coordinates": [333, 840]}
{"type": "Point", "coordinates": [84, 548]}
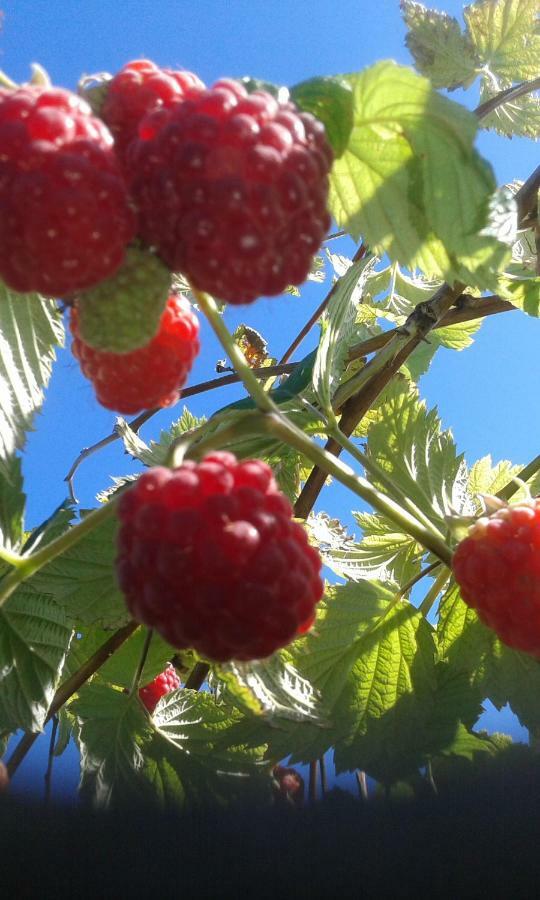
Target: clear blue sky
{"type": "Point", "coordinates": [486, 394]}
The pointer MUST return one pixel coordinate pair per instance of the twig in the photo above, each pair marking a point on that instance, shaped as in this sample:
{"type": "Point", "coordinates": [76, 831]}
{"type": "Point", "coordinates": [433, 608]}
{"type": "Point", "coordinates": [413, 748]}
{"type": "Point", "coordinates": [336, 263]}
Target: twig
{"type": "Point", "coordinates": [324, 783]}
{"type": "Point", "coordinates": [360, 253]}
{"type": "Point", "coordinates": [69, 687]}
{"type": "Point", "coordinates": [50, 762]}
{"type": "Point", "coordinates": [506, 96]}
{"type": "Point", "coordinates": [142, 418]}
{"type": "Point", "coordinates": [362, 784]}
{"type": "Point", "coordinates": [197, 676]}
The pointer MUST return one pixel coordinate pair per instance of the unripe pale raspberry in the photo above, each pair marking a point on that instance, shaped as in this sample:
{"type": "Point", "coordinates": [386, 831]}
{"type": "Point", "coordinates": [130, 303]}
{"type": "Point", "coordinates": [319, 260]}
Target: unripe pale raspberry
{"type": "Point", "coordinates": [138, 88]}
{"type": "Point", "coordinates": [498, 570]}
{"type": "Point", "coordinates": [232, 190]}
{"type": "Point", "coordinates": [123, 312]}
{"type": "Point", "coordinates": [209, 556]}
{"type": "Point", "coordinates": [65, 218]}
{"type": "Point", "coordinates": [162, 684]}
{"type": "Point", "coordinates": [151, 376]}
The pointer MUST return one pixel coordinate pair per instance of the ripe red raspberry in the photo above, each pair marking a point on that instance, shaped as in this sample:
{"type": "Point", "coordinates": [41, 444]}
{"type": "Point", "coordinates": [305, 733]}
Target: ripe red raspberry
{"type": "Point", "coordinates": [150, 376]}
{"type": "Point", "coordinates": [65, 219]}
{"type": "Point", "coordinates": [290, 784]}
{"type": "Point", "coordinates": [137, 89]}
{"type": "Point", "coordinates": [210, 557]}
{"type": "Point", "coordinates": [498, 570]}
{"type": "Point", "coordinates": [232, 190]}
{"type": "Point", "coordinates": [163, 684]}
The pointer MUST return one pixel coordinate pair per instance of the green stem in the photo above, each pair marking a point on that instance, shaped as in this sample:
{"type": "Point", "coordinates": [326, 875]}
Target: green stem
{"type": "Point", "coordinates": [12, 559]}
{"type": "Point", "coordinates": [524, 475]}
{"type": "Point", "coordinates": [140, 665]}
{"type": "Point", "coordinates": [253, 386]}
{"type": "Point", "coordinates": [433, 593]}
{"type": "Point", "coordinates": [380, 475]}
{"type": "Point", "coordinates": [29, 565]}
{"type": "Point", "coordinates": [279, 425]}
{"type": "Point", "coordinates": [332, 465]}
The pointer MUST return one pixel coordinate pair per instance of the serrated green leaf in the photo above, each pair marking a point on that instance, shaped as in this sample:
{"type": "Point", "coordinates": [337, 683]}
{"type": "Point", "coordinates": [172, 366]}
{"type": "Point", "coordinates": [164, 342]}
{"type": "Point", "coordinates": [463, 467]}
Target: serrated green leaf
{"type": "Point", "coordinates": [420, 458]}
{"type": "Point", "coordinates": [485, 478]}
{"type": "Point", "coordinates": [66, 723]}
{"type": "Point", "coordinates": [30, 330]}
{"type": "Point", "coordinates": [120, 668]}
{"type": "Point", "coordinates": [440, 49]}
{"type": "Point", "coordinates": [34, 639]}
{"type": "Point", "coordinates": [411, 182]}
{"type": "Point", "coordinates": [520, 117]}
{"type": "Point", "coordinates": [112, 733]}
{"type": "Point", "coordinates": [505, 36]}
{"type": "Point", "coordinates": [82, 580]}
{"type": "Point", "coordinates": [331, 101]}
{"type": "Point", "coordinates": [12, 504]}
{"type": "Point", "coordinates": [156, 453]}
{"type": "Point", "coordinates": [523, 292]}
{"type": "Point", "coordinates": [338, 331]}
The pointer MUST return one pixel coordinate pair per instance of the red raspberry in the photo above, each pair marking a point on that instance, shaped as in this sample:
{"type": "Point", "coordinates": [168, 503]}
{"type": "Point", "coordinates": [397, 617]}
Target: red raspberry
{"type": "Point", "coordinates": [290, 783]}
{"type": "Point", "coordinates": [150, 376]}
{"type": "Point", "coordinates": [210, 557]}
{"type": "Point", "coordinates": [232, 190]}
{"type": "Point", "coordinates": [498, 570]}
{"type": "Point", "coordinates": [137, 89]}
{"type": "Point", "coordinates": [163, 684]}
{"type": "Point", "coordinates": [65, 219]}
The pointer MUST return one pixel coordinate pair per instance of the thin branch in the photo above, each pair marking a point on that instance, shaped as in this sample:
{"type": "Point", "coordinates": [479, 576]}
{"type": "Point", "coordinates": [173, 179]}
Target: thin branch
{"type": "Point", "coordinates": [70, 687]}
{"type": "Point", "coordinates": [140, 665]}
{"type": "Point", "coordinates": [506, 96]}
{"type": "Point", "coordinates": [50, 762]}
{"type": "Point", "coordinates": [312, 785]}
{"type": "Point", "coordinates": [324, 782]}
{"type": "Point", "coordinates": [362, 785]}
{"type": "Point", "coordinates": [313, 319]}
{"type": "Point", "coordinates": [197, 676]}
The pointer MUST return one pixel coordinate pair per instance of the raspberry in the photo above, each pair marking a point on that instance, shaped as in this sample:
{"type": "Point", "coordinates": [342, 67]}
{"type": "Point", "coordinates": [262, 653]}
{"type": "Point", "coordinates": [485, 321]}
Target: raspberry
{"type": "Point", "coordinates": [290, 783]}
{"type": "Point", "coordinates": [123, 312]}
{"type": "Point", "coordinates": [163, 684]}
{"type": "Point", "coordinates": [232, 190]}
{"type": "Point", "coordinates": [138, 88]}
{"type": "Point", "coordinates": [65, 219]}
{"type": "Point", "coordinates": [210, 557]}
{"type": "Point", "coordinates": [498, 570]}
{"type": "Point", "coordinates": [151, 376]}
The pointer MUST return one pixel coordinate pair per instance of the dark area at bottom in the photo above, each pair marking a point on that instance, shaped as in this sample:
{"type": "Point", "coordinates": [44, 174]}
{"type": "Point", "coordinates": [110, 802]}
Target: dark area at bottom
{"type": "Point", "coordinates": [482, 838]}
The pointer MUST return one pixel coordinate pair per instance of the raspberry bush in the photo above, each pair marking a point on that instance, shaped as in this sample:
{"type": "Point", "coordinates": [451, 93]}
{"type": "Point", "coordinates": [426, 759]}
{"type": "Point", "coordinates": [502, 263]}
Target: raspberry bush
{"type": "Point", "coordinates": [207, 575]}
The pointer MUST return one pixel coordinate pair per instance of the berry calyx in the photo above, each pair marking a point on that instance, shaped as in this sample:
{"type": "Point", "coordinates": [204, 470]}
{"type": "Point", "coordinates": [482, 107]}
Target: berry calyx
{"type": "Point", "coordinates": [123, 312]}
{"type": "Point", "coordinates": [65, 216]}
{"type": "Point", "coordinates": [151, 376]}
{"type": "Point", "coordinates": [138, 88]}
{"type": "Point", "coordinates": [162, 684]}
{"type": "Point", "coordinates": [232, 190]}
{"type": "Point", "coordinates": [498, 570]}
{"type": "Point", "coordinates": [210, 556]}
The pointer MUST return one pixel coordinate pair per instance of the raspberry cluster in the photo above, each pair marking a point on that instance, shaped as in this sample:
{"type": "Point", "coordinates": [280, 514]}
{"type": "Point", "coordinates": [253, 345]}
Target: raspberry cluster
{"type": "Point", "coordinates": [498, 570]}
{"type": "Point", "coordinates": [232, 190]}
{"type": "Point", "coordinates": [162, 684]}
{"type": "Point", "coordinates": [209, 556]}
{"type": "Point", "coordinates": [151, 376]}
{"type": "Point", "coordinates": [65, 215]}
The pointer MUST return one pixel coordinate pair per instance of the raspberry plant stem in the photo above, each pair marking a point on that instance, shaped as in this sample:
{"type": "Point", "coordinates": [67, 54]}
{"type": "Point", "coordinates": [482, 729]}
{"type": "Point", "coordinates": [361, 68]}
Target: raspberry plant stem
{"type": "Point", "coordinates": [29, 565]}
{"type": "Point", "coordinates": [140, 665]}
{"type": "Point", "coordinates": [12, 559]}
{"type": "Point", "coordinates": [433, 593]}
{"type": "Point", "coordinates": [279, 425]}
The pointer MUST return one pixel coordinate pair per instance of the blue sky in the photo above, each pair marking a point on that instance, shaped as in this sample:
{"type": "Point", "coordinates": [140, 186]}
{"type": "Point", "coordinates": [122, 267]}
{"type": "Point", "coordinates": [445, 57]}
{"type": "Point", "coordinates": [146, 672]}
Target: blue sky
{"type": "Point", "coordinates": [486, 394]}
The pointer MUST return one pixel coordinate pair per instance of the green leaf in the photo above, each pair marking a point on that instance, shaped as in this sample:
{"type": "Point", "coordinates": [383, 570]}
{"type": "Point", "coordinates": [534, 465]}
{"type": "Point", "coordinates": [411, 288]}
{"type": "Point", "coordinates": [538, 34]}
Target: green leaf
{"type": "Point", "coordinates": [420, 458]}
{"type": "Point", "coordinates": [519, 117]}
{"type": "Point", "coordinates": [82, 580]}
{"type": "Point", "coordinates": [505, 36]}
{"type": "Point", "coordinates": [34, 639]}
{"type": "Point", "coordinates": [410, 180]}
{"type": "Point", "coordinates": [440, 49]}
{"type": "Point", "coordinates": [112, 733]}
{"type": "Point", "coordinates": [156, 453]}
{"type": "Point", "coordinates": [12, 504]}
{"type": "Point", "coordinates": [331, 101]}
{"type": "Point", "coordinates": [30, 330]}
{"type": "Point", "coordinates": [258, 84]}
{"type": "Point", "coordinates": [338, 329]}
{"type": "Point", "coordinates": [523, 292]}
{"type": "Point", "coordinates": [378, 677]}
{"type": "Point", "coordinates": [122, 665]}
{"type": "Point", "coordinates": [485, 478]}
